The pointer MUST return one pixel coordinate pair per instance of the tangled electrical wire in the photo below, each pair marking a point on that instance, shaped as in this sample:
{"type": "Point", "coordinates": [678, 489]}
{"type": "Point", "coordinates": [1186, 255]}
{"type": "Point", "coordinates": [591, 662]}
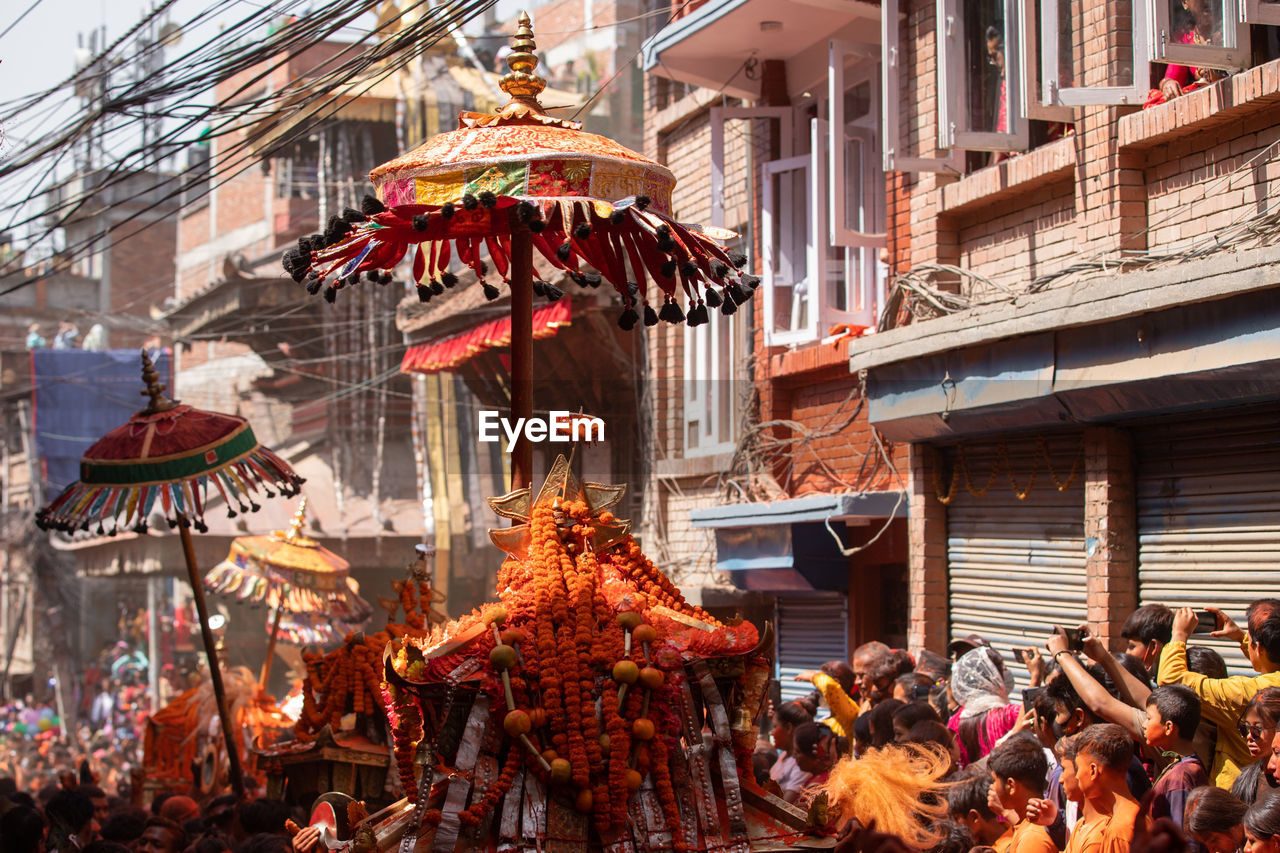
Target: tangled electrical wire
{"type": "Point", "coordinates": [311, 100]}
{"type": "Point", "coordinates": [934, 290]}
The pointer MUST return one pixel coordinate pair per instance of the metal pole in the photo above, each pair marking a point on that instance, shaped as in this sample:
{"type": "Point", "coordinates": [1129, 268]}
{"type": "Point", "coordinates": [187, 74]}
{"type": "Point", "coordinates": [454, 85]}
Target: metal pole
{"type": "Point", "coordinates": [521, 348]}
{"type": "Point", "coordinates": [271, 642]}
{"type": "Point", "coordinates": [211, 649]}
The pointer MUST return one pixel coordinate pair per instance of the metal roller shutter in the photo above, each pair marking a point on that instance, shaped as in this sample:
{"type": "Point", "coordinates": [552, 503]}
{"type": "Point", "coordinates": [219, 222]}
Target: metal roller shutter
{"type": "Point", "coordinates": [1209, 515]}
{"type": "Point", "coordinates": [1016, 568]}
{"type": "Point", "coordinates": [812, 629]}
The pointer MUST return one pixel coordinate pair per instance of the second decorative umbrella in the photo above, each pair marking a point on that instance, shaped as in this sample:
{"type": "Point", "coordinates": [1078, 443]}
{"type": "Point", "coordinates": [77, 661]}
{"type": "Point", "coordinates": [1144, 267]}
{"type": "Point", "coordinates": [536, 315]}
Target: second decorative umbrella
{"type": "Point", "coordinates": [172, 458]}
{"type": "Point", "coordinates": [295, 576]}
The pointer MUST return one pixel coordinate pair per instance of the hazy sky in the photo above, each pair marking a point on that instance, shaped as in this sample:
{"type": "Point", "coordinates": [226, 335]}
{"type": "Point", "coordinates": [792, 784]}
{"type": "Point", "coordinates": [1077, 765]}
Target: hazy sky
{"type": "Point", "coordinates": [39, 53]}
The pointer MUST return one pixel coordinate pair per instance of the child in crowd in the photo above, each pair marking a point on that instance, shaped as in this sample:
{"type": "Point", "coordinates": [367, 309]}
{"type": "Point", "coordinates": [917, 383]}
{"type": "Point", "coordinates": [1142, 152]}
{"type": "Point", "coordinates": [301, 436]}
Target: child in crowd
{"type": "Point", "coordinates": [1109, 813]}
{"type": "Point", "coordinates": [1173, 713]}
{"type": "Point", "coordinates": [1262, 826]}
{"type": "Point", "coordinates": [1215, 819]}
{"type": "Point", "coordinates": [968, 804]}
{"type": "Point", "coordinates": [815, 752]}
{"type": "Point", "coordinates": [1018, 768]}
{"type": "Point", "coordinates": [786, 772]}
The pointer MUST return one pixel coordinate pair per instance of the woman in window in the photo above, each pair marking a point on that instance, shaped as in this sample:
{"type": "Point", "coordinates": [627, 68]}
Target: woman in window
{"type": "Point", "coordinates": [1198, 24]}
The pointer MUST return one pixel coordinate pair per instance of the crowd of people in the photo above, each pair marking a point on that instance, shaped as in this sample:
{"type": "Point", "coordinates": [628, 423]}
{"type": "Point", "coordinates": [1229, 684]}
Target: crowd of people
{"type": "Point", "coordinates": [1155, 748]}
{"type": "Point", "coordinates": [77, 816]}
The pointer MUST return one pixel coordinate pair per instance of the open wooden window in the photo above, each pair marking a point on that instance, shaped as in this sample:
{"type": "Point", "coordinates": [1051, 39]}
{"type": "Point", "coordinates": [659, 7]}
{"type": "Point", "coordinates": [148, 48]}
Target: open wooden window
{"type": "Point", "coordinates": [1261, 12]}
{"type": "Point", "coordinates": [980, 84]}
{"type": "Point", "coordinates": [720, 115]}
{"type": "Point", "coordinates": [1200, 33]}
{"type": "Point", "coordinates": [1063, 46]}
{"type": "Point", "coordinates": [899, 154]}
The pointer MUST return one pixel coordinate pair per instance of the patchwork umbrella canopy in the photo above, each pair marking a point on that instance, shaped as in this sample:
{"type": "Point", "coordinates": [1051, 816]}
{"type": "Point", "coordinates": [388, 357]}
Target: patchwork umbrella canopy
{"type": "Point", "coordinates": [295, 576]}
{"type": "Point", "coordinates": [174, 458]}
{"type": "Point", "coordinates": [585, 198]}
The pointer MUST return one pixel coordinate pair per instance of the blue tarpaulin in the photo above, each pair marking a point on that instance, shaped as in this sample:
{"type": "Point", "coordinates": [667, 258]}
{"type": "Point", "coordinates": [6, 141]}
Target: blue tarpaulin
{"type": "Point", "coordinates": [80, 396]}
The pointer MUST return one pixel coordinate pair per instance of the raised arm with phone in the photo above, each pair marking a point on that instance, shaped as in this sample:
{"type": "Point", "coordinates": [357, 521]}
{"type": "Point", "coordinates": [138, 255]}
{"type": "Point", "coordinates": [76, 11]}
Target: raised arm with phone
{"type": "Point", "coordinates": [1223, 700]}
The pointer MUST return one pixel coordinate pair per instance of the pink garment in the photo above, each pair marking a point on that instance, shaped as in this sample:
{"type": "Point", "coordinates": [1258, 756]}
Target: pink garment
{"type": "Point", "coordinates": [997, 724]}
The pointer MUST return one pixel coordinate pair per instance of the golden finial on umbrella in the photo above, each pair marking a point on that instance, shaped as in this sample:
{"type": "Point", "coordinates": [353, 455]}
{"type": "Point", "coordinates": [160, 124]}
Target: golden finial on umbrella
{"type": "Point", "coordinates": [155, 388]}
{"type": "Point", "coordinates": [521, 83]}
{"type": "Point", "coordinates": [294, 534]}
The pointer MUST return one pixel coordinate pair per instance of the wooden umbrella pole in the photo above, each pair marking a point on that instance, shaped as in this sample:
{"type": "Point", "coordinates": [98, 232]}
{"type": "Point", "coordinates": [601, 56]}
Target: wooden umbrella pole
{"type": "Point", "coordinates": [271, 643]}
{"type": "Point", "coordinates": [521, 348]}
{"type": "Point", "coordinates": [211, 649]}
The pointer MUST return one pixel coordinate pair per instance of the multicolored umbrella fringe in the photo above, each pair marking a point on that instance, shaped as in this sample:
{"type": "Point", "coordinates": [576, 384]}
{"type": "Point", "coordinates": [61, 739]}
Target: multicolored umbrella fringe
{"type": "Point", "coordinates": [163, 459]}
{"type": "Point", "coordinates": [596, 210]}
{"type": "Point", "coordinates": [121, 506]}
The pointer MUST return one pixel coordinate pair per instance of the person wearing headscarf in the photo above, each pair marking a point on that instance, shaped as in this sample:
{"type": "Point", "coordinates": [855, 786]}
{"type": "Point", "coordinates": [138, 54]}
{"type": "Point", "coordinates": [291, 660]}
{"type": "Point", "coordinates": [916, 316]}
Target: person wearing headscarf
{"type": "Point", "coordinates": [980, 688]}
{"type": "Point", "coordinates": [96, 340]}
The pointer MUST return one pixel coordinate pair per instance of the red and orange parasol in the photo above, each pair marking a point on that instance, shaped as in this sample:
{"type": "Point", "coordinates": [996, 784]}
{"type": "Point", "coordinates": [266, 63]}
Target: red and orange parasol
{"type": "Point", "coordinates": [505, 184]}
{"type": "Point", "coordinates": [173, 458]}
{"type": "Point", "coordinates": [295, 576]}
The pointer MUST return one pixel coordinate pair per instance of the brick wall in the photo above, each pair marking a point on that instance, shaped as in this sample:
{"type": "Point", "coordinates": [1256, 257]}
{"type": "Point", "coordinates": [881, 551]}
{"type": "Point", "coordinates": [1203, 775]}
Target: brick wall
{"type": "Point", "coordinates": [928, 626]}
{"type": "Point", "coordinates": [1126, 180]}
{"type": "Point", "coordinates": [142, 268]}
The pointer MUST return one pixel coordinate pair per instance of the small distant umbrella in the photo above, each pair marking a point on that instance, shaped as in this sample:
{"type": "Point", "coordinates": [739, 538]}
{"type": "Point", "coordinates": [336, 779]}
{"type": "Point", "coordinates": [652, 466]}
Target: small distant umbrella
{"type": "Point", "coordinates": [172, 458]}
{"type": "Point", "coordinates": [296, 577]}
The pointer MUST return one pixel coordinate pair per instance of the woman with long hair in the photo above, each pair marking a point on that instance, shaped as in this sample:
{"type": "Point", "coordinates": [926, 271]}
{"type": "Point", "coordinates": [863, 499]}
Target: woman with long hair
{"type": "Point", "coordinates": [985, 715]}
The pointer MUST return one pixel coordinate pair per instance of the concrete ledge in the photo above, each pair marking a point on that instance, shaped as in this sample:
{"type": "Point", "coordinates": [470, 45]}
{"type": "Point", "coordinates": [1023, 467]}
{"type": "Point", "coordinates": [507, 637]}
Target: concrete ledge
{"type": "Point", "coordinates": [798, 510]}
{"type": "Point", "coordinates": [693, 466]}
{"type": "Point", "coordinates": [1085, 302]}
{"type": "Point", "coordinates": [1235, 98]}
{"type": "Point", "coordinates": [1046, 164]}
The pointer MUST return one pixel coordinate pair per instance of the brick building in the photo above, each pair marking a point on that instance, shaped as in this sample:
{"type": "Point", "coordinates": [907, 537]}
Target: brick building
{"type": "Point", "coordinates": [1081, 355]}
{"type": "Point", "coordinates": [770, 489]}
{"type": "Point", "coordinates": [316, 381]}
{"type": "Point", "coordinates": [1077, 312]}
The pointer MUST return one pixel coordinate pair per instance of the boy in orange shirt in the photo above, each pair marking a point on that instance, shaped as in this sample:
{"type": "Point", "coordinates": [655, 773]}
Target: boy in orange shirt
{"type": "Point", "coordinates": [1018, 768]}
{"type": "Point", "coordinates": [1103, 753]}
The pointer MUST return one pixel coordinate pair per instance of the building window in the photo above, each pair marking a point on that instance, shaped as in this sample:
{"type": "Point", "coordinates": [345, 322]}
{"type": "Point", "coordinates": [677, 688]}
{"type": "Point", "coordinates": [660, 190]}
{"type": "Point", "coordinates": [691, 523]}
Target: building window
{"type": "Point", "coordinates": [709, 410]}
{"type": "Point", "coordinates": [1207, 33]}
{"type": "Point", "coordinates": [822, 216]}
{"type": "Point", "coordinates": [1055, 47]}
{"type": "Point", "coordinates": [980, 99]}
{"type": "Point", "coordinates": [899, 152]}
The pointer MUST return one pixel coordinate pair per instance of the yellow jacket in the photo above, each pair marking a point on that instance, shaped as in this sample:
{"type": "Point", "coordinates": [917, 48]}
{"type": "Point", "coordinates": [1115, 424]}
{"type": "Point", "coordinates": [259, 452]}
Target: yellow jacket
{"type": "Point", "coordinates": [843, 709]}
{"type": "Point", "coordinates": [1222, 702]}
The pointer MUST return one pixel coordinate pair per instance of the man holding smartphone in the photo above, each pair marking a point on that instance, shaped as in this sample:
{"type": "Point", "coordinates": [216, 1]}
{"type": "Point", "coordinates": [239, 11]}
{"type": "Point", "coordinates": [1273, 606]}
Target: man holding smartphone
{"type": "Point", "coordinates": [1223, 699]}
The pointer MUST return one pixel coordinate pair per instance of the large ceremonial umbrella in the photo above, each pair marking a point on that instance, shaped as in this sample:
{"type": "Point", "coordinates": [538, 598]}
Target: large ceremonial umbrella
{"type": "Point", "coordinates": [292, 574]}
{"type": "Point", "coordinates": [164, 459]}
{"type": "Point", "coordinates": [508, 183]}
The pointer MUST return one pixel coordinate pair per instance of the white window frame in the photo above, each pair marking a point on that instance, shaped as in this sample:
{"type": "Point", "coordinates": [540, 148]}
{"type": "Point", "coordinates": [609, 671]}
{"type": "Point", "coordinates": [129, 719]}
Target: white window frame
{"type": "Point", "coordinates": [1260, 12]}
{"type": "Point", "coordinates": [839, 231]}
{"type": "Point", "coordinates": [815, 261]}
{"type": "Point", "coordinates": [706, 380]}
{"type": "Point", "coordinates": [865, 299]}
{"type": "Point", "coordinates": [895, 160]}
{"type": "Point", "coordinates": [719, 115]}
{"type": "Point", "coordinates": [1233, 55]}
{"type": "Point", "coordinates": [1053, 94]}
{"type": "Point", "coordinates": [953, 83]}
